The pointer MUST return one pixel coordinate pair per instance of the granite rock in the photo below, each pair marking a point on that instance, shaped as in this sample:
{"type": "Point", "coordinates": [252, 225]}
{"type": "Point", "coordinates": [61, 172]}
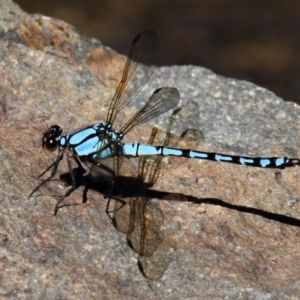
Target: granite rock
{"type": "Point", "coordinates": [236, 226]}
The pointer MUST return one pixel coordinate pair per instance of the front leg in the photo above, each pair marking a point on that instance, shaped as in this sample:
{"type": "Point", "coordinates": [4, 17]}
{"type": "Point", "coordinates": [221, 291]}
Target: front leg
{"type": "Point", "coordinates": [73, 182]}
{"type": "Point", "coordinates": [54, 170]}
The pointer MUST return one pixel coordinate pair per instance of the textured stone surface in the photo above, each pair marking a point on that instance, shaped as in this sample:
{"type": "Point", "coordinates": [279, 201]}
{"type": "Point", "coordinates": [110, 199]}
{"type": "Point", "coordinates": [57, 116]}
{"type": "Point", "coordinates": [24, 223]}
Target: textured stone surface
{"type": "Point", "coordinates": [237, 227]}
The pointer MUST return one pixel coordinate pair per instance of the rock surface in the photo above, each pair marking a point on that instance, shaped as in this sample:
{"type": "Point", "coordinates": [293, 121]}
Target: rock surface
{"type": "Point", "coordinates": [237, 227]}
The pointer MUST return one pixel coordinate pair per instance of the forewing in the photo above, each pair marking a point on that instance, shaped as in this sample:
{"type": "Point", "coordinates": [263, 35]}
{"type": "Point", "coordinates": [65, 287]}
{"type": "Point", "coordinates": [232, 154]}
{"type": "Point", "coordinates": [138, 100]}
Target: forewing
{"type": "Point", "coordinates": [140, 64]}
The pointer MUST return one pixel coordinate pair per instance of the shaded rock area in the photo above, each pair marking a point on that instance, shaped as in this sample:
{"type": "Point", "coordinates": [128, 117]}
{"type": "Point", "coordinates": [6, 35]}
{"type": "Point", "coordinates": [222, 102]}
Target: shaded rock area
{"type": "Point", "coordinates": [237, 228]}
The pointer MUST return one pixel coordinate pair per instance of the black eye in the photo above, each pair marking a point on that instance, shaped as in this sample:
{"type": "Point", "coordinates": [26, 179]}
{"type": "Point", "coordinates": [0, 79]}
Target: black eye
{"type": "Point", "coordinates": [50, 138]}
{"type": "Point", "coordinates": [50, 143]}
{"type": "Point", "coordinates": [55, 130]}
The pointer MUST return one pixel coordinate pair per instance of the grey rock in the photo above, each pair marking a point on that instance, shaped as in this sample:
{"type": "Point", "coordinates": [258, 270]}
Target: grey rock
{"type": "Point", "coordinates": [237, 227]}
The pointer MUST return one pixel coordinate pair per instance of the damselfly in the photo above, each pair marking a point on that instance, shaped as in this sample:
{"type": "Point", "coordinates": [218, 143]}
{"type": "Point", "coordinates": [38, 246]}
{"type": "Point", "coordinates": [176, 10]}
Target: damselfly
{"type": "Point", "coordinates": [101, 141]}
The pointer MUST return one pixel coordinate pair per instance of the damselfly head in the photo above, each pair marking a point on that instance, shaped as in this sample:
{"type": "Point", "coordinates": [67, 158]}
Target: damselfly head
{"type": "Point", "coordinates": [50, 138]}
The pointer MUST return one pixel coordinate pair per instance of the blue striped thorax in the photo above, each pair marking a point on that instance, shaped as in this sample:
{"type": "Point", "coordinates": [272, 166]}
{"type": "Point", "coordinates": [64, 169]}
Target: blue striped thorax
{"type": "Point", "coordinates": [96, 141]}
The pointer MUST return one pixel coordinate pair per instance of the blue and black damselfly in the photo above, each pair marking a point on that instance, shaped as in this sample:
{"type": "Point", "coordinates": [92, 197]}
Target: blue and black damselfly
{"type": "Point", "coordinates": [101, 141]}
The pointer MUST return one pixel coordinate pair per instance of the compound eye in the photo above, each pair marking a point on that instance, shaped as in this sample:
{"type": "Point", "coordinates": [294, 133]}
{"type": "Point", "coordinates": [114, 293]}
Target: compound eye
{"type": "Point", "coordinates": [50, 143]}
{"type": "Point", "coordinates": [55, 130]}
{"type": "Point", "coordinates": [50, 138]}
